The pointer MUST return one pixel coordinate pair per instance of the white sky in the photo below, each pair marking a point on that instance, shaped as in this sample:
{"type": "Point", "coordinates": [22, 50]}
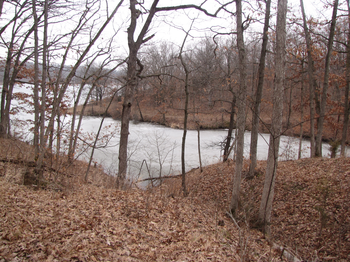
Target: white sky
{"type": "Point", "coordinates": [164, 31]}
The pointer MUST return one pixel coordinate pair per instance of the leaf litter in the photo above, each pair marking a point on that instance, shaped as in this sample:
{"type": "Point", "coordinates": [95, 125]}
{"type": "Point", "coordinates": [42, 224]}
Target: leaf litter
{"type": "Point", "coordinates": [94, 222]}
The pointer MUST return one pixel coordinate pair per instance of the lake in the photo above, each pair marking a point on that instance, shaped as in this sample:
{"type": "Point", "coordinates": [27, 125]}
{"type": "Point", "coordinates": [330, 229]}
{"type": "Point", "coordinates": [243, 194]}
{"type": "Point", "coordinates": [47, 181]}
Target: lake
{"type": "Point", "coordinates": [157, 148]}
{"type": "Point", "coordinates": [160, 147]}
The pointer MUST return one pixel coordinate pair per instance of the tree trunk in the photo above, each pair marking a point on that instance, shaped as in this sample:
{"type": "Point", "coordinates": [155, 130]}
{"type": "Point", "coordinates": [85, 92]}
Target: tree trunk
{"type": "Point", "coordinates": [36, 82]}
{"type": "Point", "coordinates": [43, 79]}
{"type": "Point", "coordinates": [97, 135]}
{"type": "Point", "coordinates": [241, 119]}
{"type": "Point", "coordinates": [72, 127]}
{"type": "Point", "coordinates": [268, 191]}
{"type": "Point", "coordinates": [325, 83]}
{"type": "Point", "coordinates": [126, 114]}
{"type": "Point", "coordinates": [233, 110]}
{"type": "Point", "coordinates": [199, 147]}
{"type": "Point", "coordinates": [302, 110]}
{"type": "Point", "coordinates": [230, 128]}
{"type": "Point", "coordinates": [59, 95]}
{"type": "Point", "coordinates": [312, 81]}
{"type": "Point", "coordinates": [347, 87]}
{"type": "Point", "coordinates": [132, 72]}
{"type": "Point", "coordinates": [5, 94]}
{"type": "Point", "coordinates": [183, 145]}
{"type": "Point", "coordinates": [258, 96]}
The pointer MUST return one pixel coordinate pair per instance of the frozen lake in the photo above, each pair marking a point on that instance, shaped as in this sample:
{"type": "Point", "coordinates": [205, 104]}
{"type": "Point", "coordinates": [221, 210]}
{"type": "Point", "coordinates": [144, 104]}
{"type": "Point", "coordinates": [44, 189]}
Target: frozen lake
{"type": "Point", "coordinates": [160, 147]}
{"type": "Point", "coordinates": [157, 146]}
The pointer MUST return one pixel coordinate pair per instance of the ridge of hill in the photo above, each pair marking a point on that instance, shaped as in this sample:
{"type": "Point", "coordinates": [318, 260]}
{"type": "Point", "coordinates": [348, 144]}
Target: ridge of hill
{"type": "Point", "coordinates": [95, 222]}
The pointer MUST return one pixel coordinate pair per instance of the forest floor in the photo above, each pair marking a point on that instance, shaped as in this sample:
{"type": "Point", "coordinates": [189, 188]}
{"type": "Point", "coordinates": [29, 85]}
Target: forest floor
{"type": "Point", "coordinates": [70, 220]}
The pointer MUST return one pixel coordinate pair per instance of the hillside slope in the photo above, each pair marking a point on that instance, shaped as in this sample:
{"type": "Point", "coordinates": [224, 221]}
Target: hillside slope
{"type": "Point", "coordinates": [89, 222]}
{"type": "Point", "coordinates": [311, 212]}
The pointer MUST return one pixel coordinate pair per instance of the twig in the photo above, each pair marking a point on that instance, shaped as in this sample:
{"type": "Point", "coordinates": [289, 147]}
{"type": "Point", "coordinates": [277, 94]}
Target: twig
{"type": "Point", "coordinates": [26, 221]}
{"type": "Point", "coordinates": [233, 219]}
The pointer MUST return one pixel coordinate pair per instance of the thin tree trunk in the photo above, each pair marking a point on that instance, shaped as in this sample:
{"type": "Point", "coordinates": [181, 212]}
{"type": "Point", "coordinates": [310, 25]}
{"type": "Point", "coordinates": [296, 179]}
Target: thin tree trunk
{"type": "Point", "coordinates": [268, 191]}
{"type": "Point", "coordinates": [230, 128]}
{"type": "Point", "coordinates": [183, 145]}
{"type": "Point", "coordinates": [199, 148]}
{"type": "Point", "coordinates": [302, 111]}
{"type": "Point", "coordinates": [233, 110]}
{"type": "Point", "coordinates": [312, 81]}
{"type": "Point", "coordinates": [258, 96]}
{"type": "Point", "coordinates": [320, 121]}
{"type": "Point", "coordinates": [43, 79]}
{"type": "Point", "coordinates": [241, 118]}
{"type": "Point", "coordinates": [74, 134]}
{"type": "Point", "coordinates": [98, 134]}
{"type": "Point", "coordinates": [58, 139]}
{"type": "Point", "coordinates": [289, 106]}
{"type": "Point", "coordinates": [74, 114]}
{"type": "Point", "coordinates": [347, 87]}
{"type": "Point", "coordinates": [59, 95]}
{"type": "Point", "coordinates": [6, 93]}
{"type": "Point", "coordinates": [36, 82]}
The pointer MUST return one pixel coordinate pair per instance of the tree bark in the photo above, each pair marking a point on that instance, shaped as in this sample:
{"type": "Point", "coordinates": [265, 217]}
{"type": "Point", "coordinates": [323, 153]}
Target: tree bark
{"type": "Point", "coordinates": [241, 119]}
{"type": "Point", "coordinates": [233, 110]}
{"type": "Point", "coordinates": [347, 87]}
{"type": "Point", "coordinates": [6, 94]}
{"type": "Point", "coordinates": [131, 84]}
{"type": "Point", "coordinates": [320, 121]}
{"type": "Point", "coordinates": [186, 87]}
{"type": "Point", "coordinates": [312, 81]}
{"type": "Point", "coordinates": [268, 191]}
{"type": "Point", "coordinates": [36, 82]}
{"type": "Point", "coordinates": [302, 110]}
{"type": "Point", "coordinates": [258, 96]}
{"type": "Point", "coordinates": [230, 128]}
{"type": "Point", "coordinates": [43, 78]}
{"type": "Point", "coordinates": [199, 147]}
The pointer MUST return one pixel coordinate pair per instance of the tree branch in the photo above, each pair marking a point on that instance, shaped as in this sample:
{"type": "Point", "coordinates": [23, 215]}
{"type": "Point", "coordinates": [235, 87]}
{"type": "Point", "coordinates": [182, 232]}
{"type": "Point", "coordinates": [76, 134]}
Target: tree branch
{"type": "Point", "coordinates": [179, 7]}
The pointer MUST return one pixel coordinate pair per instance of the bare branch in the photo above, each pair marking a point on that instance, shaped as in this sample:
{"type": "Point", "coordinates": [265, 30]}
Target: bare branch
{"type": "Point", "coordinates": [181, 7]}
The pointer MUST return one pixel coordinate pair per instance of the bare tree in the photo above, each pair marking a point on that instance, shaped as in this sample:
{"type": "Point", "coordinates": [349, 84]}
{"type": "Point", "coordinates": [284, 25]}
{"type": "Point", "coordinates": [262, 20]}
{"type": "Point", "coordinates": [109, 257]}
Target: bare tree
{"type": "Point", "coordinates": [321, 117]}
{"type": "Point", "coordinates": [44, 75]}
{"type": "Point", "coordinates": [36, 81]}
{"type": "Point", "coordinates": [258, 95]}
{"type": "Point", "coordinates": [312, 80]}
{"type": "Point", "coordinates": [347, 87]}
{"type": "Point", "coordinates": [186, 89]}
{"type": "Point", "coordinates": [275, 133]}
{"type": "Point", "coordinates": [134, 69]}
{"type": "Point", "coordinates": [241, 103]}
{"type": "Point", "coordinates": [15, 60]}
{"type": "Point", "coordinates": [60, 90]}
{"type": "Point", "coordinates": [229, 76]}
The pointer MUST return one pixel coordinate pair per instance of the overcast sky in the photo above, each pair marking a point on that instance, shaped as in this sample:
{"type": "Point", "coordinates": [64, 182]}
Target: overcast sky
{"type": "Point", "coordinates": [170, 26]}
